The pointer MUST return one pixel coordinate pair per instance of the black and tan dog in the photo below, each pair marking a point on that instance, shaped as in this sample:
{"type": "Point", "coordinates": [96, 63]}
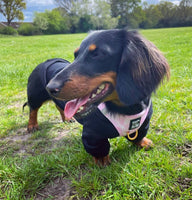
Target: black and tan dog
{"type": "Point", "coordinates": [109, 87]}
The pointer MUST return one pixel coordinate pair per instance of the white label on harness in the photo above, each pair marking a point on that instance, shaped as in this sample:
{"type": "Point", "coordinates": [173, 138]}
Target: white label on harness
{"type": "Point", "coordinates": [134, 123]}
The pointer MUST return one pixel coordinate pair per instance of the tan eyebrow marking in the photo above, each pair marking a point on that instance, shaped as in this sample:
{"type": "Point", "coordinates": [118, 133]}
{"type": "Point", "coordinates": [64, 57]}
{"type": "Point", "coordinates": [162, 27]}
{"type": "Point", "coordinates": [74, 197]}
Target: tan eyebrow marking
{"type": "Point", "coordinates": [92, 47]}
{"type": "Point", "coordinates": [76, 50]}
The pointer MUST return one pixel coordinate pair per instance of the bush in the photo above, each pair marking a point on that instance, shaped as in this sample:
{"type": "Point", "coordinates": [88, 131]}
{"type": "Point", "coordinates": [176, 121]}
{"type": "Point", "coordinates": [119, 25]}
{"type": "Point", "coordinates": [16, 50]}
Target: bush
{"type": "Point", "coordinates": [27, 29]}
{"type": "Point", "coordinates": [8, 31]}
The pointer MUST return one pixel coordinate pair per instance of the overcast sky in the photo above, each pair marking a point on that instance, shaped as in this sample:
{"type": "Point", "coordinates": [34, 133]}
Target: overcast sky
{"type": "Point", "coordinates": [42, 5]}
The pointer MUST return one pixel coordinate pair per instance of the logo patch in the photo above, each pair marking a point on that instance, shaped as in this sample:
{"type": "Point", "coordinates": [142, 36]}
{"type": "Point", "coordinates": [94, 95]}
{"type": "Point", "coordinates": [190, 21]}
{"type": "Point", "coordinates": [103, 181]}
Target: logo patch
{"type": "Point", "coordinates": [134, 123]}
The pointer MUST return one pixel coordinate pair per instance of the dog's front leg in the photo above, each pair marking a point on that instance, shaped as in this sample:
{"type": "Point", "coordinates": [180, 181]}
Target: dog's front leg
{"type": "Point", "coordinates": [102, 161]}
{"type": "Point", "coordinates": [96, 146]}
{"type": "Point", "coordinates": [145, 143]}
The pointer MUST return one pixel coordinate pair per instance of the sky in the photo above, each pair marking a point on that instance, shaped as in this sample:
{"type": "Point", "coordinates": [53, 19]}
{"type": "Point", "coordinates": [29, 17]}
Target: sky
{"type": "Point", "coordinates": [42, 5]}
{"type": "Point", "coordinates": [37, 6]}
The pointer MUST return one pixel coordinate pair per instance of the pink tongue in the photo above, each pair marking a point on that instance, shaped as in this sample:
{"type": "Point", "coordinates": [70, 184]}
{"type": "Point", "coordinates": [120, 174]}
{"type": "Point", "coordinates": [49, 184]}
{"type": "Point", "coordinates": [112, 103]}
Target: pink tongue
{"type": "Point", "coordinates": [72, 106]}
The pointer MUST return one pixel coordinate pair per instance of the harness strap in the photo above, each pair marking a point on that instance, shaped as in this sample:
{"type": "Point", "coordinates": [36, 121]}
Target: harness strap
{"type": "Point", "coordinates": [126, 125]}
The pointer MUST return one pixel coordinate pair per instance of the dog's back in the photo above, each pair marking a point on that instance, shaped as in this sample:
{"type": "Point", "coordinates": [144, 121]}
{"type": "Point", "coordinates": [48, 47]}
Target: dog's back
{"type": "Point", "coordinates": [36, 89]}
{"type": "Point", "coordinates": [40, 76]}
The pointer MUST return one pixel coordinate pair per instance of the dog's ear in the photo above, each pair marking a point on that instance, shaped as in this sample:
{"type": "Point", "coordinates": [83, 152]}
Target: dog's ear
{"type": "Point", "coordinates": [141, 70]}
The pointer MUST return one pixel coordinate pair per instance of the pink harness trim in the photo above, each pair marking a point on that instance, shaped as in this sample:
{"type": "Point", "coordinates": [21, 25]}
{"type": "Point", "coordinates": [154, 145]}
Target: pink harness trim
{"type": "Point", "coordinates": [125, 124]}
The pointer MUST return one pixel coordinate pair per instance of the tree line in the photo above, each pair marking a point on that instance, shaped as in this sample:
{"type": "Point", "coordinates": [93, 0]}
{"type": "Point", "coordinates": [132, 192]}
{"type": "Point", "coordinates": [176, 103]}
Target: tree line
{"type": "Point", "coordinates": [73, 16]}
{"type": "Point", "coordinates": [83, 15]}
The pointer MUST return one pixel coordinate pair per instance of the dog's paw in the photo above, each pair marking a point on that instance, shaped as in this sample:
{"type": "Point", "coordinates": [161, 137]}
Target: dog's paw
{"type": "Point", "coordinates": [145, 143]}
{"type": "Point", "coordinates": [102, 161]}
{"type": "Point", "coordinates": [32, 128]}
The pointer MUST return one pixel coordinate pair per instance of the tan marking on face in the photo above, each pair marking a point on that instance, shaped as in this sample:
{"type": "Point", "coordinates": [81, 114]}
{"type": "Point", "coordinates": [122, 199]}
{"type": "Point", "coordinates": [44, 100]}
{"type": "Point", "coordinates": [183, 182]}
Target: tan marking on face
{"type": "Point", "coordinates": [80, 86]}
{"type": "Point", "coordinates": [92, 47]}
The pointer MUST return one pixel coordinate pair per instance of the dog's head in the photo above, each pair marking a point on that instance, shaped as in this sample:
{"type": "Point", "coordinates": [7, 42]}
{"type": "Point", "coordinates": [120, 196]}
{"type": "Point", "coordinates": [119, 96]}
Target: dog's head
{"type": "Point", "coordinates": [112, 65]}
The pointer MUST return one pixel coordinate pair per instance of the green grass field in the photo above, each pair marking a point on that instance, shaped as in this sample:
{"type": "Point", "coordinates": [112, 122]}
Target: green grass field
{"type": "Point", "coordinates": [52, 163]}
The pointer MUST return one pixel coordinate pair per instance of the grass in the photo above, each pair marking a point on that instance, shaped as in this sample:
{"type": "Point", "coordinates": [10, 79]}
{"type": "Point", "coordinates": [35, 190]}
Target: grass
{"type": "Point", "coordinates": [52, 163]}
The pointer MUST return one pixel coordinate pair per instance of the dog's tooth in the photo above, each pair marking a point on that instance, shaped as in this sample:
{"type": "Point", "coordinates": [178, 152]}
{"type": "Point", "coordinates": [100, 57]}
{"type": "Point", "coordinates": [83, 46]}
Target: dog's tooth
{"type": "Point", "coordinates": [102, 87]}
{"type": "Point", "coordinates": [98, 91]}
{"type": "Point", "coordinates": [93, 95]}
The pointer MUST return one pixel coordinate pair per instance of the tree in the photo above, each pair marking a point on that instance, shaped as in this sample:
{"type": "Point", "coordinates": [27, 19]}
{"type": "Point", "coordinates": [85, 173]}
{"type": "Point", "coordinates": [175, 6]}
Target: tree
{"type": "Point", "coordinates": [40, 21]}
{"type": "Point", "coordinates": [102, 16]}
{"type": "Point", "coordinates": [125, 10]}
{"type": "Point", "coordinates": [85, 23]}
{"type": "Point", "coordinates": [152, 16]}
{"type": "Point", "coordinates": [12, 9]}
{"type": "Point", "coordinates": [88, 14]}
{"type": "Point", "coordinates": [78, 13]}
{"type": "Point", "coordinates": [51, 22]}
{"type": "Point", "coordinates": [185, 13]}
{"type": "Point", "coordinates": [66, 5]}
{"type": "Point", "coordinates": [186, 3]}
{"type": "Point", "coordinates": [168, 14]}
{"type": "Point", "coordinates": [74, 7]}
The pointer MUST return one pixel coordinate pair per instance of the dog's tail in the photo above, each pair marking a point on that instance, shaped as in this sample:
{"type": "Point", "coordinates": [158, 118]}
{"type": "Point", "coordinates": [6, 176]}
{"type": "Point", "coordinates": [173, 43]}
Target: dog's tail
{"type": "Point", "coordinates": [25, 104]}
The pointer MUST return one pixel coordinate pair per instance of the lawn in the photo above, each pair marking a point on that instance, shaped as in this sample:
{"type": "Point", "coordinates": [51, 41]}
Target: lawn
{"type": "Point", "coordinates": [52, 163]}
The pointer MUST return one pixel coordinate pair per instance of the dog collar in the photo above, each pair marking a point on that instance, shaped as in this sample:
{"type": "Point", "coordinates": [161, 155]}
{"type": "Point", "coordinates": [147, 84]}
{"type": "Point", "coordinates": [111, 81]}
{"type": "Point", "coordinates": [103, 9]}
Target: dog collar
{"type": "Point", "coordinates": [125, 124]}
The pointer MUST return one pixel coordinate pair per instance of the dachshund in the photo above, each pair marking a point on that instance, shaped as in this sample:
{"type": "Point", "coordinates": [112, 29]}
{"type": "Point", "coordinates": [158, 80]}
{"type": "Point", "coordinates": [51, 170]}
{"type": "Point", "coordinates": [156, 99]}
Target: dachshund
{"type": "Point", "coordinates": [36, 89]}
{"type": "Point", "coordinates": [108, 88]}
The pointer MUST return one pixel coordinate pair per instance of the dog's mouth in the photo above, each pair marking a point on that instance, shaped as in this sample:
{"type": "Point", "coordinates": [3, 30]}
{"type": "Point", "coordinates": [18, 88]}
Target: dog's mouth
{"type": "Point", "coordinates": [81, 107]}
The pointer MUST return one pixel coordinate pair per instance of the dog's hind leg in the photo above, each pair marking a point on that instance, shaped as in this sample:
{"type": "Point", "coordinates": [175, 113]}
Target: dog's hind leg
{"type": "Point", "coordinates": [33, 124]}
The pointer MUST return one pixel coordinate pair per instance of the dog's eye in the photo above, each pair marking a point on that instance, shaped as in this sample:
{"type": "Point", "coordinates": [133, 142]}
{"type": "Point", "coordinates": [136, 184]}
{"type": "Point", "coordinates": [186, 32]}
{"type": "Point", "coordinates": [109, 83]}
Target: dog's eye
{"type": "Point", "coordinates": [94, 53]}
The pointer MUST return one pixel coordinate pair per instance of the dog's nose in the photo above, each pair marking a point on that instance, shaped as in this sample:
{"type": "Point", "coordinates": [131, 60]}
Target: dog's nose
{"type": "Point", "coordinates": [53, 88]}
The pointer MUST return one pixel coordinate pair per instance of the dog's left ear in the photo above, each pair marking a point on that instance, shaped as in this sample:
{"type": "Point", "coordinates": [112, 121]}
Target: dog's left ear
{"type": "Point", "coordinates": [141, 70]}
